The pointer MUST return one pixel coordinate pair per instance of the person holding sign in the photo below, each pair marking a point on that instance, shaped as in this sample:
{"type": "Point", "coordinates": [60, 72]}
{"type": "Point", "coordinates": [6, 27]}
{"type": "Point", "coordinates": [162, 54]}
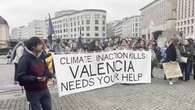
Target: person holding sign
{"type": "Point", "coordinates": [171, 56]}
{"type": "Point", "coordinates": [33, 74]}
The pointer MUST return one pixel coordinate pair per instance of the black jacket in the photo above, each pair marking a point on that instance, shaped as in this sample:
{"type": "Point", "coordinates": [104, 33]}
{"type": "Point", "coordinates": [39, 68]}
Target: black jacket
{"type": "Point", "coordinates": [171, 54]}
{"type": "Point", "coordinates": [29, 68]}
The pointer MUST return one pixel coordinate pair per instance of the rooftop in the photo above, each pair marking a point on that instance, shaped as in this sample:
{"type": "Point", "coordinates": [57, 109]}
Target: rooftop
{"type": "Point", "coordinates": [3, 21]}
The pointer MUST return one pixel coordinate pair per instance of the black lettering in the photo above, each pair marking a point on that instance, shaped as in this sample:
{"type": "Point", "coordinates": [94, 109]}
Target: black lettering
{"type": "Point", "coordinates": [71, 85]}
{"type": "Point", "coordinates": [100, 68]}
{"type": "Point", "coordinates": [74, 74]}
{"type": "Point", "coordinates": [64, 86]}
{"type": "Point", "coordinates": [84, 70]}
{"type": "Point", "coordinates": [130, 67]}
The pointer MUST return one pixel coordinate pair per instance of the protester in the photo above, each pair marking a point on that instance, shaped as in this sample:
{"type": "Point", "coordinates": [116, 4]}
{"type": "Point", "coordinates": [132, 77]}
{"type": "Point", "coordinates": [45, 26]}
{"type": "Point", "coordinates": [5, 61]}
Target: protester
{"type": "Point", "coordinates": [124, 45]}
{"type": "Point", "coordinates": [33, 74]}
{"type": "Point", "coordinates": [19, 53]}
{"type": "Point", "coordinates": [186, 53]}
{"type": "Point", "coordinates": [154, 61]}
{"type": "Point", "coordinates": [58, 47]}
{"type": "Point", "coordinates": [96, 46]}
{"type": "Point", "coordinates": [67, 48]}
{"type": "Point", "coordinates": [171, 54]}
{"type": "Point", "coordinates": [109, 46]}
{"type": "Point", "coordinates": [16, 54]}
{"type": "Point", "coordinates": [160, 55]}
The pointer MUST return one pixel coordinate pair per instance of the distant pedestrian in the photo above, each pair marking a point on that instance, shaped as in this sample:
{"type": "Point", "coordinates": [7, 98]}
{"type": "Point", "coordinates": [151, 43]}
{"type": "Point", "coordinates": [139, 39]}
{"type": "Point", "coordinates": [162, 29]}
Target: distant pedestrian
{"type": "Point", "coordinates": [16, 55]}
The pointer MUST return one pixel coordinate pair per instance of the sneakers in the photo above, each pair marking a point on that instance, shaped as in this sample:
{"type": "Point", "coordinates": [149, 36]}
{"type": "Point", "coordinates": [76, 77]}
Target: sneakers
{"type": "Point", "coordinates": [170, 83]}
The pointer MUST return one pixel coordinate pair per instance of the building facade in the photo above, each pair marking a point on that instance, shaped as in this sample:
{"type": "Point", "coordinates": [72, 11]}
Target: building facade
{"type": "Point", "coordinates": [4, 33]}
{"type": "Point", "coordinates": [118, 29]}
{"type": "Point", "coordinates": [128, 27]}
{"type": "Point", "coordinates": [157, 17]}
{"type": "Point", "coordinates": [110, 28]}
{"type": "Point", "coordinates": [36, 28]}
{"type": "Point", "coordinates": [131, 27]}
{"type": "Point", "coordinates": [88, 23]}
{"type": "Point", "coordinates": [185, 18]}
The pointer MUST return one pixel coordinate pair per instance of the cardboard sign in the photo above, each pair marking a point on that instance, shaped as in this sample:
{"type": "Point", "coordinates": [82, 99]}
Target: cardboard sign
{"type": "Point", "coordinates": [172, 70]}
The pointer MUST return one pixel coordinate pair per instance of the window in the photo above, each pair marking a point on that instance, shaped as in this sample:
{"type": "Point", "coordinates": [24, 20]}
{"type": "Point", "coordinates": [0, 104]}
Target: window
{"type": "Point", "coordinates": [103, 28]}
{"type": "Point", "coordinates": [136, 35]}
{"type": "Point", "coordinates": [87, 34]}
{"type": "Point", "coordinates": [184, 31]}
{"type": "Point", "coordinates": [82, 28]}
{"type": "Point", "coordinates": [96, 34]}
{"type": "Point", "coordinates": [88, 28]}
{"type": "Point", "coordinates": [104, 22]}
{"type": "Point", "coordinates": [184, 22]}
{"type": "Point", "coordinates": [103, 34]}
{"type": "Point", "coordinates": [88, 22]}
{"type": "Point", "coordinates": [96, 21]}
{"type": "Point", "coordinates": [136, 29]}
{"type": "Point", "coordinates": [78, 17]}
{"type": "Point", "coordinates": [75, 29]}
{"type": "Point", "coordinates": [82, 22]}
{"type": "Point", "coordinates": [96, 28]}
{"type": "Point", "coordinates": [192, 29]}
{"type": "Point", "coordinates": [188, 30]}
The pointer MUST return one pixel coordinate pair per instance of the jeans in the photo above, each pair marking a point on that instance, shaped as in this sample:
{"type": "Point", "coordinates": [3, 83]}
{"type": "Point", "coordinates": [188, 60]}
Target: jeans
{"type": "Point", "coordinates": [39, 100]}
{"type": "Point", "coordinates": [186, 69]}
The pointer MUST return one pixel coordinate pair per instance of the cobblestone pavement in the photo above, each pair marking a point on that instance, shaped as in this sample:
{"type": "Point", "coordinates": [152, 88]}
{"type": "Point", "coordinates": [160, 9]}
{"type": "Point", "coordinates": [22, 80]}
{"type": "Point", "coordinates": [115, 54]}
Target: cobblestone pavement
{"type": "Point", "coordinates": [156, 96]}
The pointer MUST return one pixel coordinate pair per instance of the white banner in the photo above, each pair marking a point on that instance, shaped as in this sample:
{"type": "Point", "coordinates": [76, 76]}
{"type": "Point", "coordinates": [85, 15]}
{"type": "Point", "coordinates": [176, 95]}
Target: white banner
{"type": "Point", "coordinates": [82, 72]}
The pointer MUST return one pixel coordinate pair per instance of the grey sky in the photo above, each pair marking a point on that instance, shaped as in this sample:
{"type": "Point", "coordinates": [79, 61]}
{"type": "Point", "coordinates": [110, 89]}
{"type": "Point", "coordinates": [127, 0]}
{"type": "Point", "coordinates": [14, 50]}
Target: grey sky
{"type": "Point", "coordinates": [20, 12]}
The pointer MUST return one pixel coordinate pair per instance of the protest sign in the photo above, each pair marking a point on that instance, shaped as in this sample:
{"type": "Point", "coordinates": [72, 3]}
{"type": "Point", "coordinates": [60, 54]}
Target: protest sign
{"type": "Point", "coordinates": [172, 70]}
{"type": "Point", "coordinates": [83, 72]}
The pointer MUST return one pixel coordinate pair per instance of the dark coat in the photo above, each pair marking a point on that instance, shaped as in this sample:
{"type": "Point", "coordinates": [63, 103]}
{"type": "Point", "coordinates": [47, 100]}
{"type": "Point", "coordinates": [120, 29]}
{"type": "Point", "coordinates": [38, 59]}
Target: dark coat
{"type": "Point", "coordinates": [171, 54]}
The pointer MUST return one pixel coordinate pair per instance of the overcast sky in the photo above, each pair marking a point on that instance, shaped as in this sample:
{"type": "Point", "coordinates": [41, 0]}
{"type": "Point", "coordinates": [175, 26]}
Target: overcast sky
{"type": "Point", "coordinates": [20, 12]}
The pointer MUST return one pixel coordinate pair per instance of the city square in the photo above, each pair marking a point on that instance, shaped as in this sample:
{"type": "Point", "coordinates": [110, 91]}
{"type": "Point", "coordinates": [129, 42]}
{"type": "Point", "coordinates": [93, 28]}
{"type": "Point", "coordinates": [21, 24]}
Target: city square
{"type": "Point", "coordinates": [97, 55]}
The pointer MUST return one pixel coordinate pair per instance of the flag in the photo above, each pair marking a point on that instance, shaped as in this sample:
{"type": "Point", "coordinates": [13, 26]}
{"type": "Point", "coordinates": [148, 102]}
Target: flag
{"type": "Point", "coordinates": [50, 32]}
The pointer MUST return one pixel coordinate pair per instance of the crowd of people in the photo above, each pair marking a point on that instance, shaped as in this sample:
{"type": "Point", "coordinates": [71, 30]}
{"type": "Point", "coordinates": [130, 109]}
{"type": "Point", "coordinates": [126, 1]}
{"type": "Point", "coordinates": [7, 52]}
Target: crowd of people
{"type": "Point", "coordinates": [174, 49]}
{"type": "Point", "coordinates": [33, 74]}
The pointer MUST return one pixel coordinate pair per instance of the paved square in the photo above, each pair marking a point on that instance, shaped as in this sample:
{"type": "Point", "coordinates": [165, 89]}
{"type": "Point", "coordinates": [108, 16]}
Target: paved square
{"type": "Point", "coordinates": [156, 96]}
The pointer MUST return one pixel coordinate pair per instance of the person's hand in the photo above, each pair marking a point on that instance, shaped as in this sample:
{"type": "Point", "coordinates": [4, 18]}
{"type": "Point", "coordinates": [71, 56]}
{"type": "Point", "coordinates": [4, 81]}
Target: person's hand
{"type": "Point", "coordinates": [41, 79]}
